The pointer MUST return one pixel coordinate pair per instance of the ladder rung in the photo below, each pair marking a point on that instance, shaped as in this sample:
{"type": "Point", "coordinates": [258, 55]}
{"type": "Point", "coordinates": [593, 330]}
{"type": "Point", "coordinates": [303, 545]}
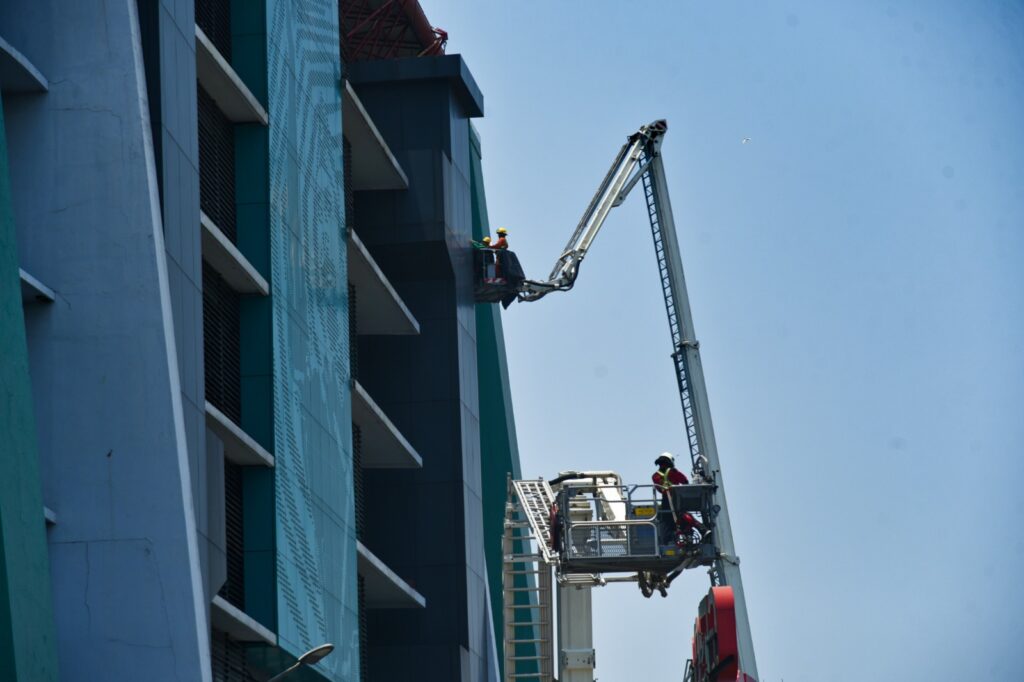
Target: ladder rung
{"type": "Point", "coordinates": [526, 641]}
{"type": "Point", "coordinates": [528, 658]}
{"type": "Point", "coordinates": [528, 623]}
{"type": "Point", "coordinates": [537, 676]}
{"type": "Point", "coordinates": [523, 589]}
{"type": "Point", "coordinates": [528, 606]}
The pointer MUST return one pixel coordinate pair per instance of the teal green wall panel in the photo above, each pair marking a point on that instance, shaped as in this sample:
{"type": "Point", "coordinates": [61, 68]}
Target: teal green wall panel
{"type": "Point", "coordinates": [27, 646]}
{"type": "Point", "coordinates": [252, 205]}
{"type": "Point", "coordinates": [315, 524]}
{"type": "Point", "coordinates": [499, 450]}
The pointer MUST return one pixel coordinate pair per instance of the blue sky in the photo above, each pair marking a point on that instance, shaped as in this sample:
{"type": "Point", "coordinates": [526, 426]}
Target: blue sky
{"type": "Point", "coordinates": [856, 282]}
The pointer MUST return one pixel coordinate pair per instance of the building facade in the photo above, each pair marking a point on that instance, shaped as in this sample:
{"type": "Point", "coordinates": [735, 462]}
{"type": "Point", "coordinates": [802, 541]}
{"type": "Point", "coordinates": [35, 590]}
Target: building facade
{"type": "Point", "coordinates": [243, 374]}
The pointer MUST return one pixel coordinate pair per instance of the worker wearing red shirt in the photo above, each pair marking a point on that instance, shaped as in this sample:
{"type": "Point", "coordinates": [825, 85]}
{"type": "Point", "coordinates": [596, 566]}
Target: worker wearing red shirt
{"type": "Point", "coordinates": [502, 242]}
{"type": "Point", "coordinates": [667, 475]}
{"type": "Point", "coordinates": [670, 523]}
{"type": "Point", "coordinates": [500, 245]}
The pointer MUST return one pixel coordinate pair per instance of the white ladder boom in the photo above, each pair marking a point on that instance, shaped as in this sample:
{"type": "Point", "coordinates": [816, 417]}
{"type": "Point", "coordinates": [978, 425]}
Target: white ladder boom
{"type": "Point", "coordinates": [526, 583]}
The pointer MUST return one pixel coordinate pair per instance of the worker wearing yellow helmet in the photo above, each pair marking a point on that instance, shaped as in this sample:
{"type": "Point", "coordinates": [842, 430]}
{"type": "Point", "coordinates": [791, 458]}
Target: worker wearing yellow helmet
{"type": "Point", "coordinates": [485, 260]}
{"type": "Point", "coordinates": [502, 242]}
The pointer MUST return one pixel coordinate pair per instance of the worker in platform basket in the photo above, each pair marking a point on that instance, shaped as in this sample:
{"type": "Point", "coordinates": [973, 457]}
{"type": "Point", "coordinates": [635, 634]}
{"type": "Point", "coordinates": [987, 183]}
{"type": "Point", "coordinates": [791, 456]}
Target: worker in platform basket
{"type": "Point", "coordinates": [485, 259]}
{"type": "Point", "coordinates": [500, 245]}
{"type": "Point", "coordinates": [502, 242]}
{"type": "Point", "coordinates": [673, 526]}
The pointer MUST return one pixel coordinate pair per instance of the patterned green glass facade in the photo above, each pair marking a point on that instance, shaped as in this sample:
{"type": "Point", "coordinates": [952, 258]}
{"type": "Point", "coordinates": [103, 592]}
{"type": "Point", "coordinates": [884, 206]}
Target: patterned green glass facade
{"type": "Point", "coordinates": [499, 450]}
{"type": "Point", "coordinates": [315, 525]}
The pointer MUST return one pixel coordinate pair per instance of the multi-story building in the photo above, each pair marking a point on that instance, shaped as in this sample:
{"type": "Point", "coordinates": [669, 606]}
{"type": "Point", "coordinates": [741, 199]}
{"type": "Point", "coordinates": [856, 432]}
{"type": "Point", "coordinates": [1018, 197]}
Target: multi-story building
{"type": "Point", "coordinates": [244, 377]}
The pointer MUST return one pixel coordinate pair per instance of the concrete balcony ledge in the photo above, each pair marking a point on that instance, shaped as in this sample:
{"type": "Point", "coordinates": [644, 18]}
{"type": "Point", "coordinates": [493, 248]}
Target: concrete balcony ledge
{"type": "Point", "coordinates": [380, 310]}
{"type": "Point", "coordinates": [239, 625]}
{"type": "Point", "coordinates": [224, 85]}
{"type": "Point", "coordinates": [17, 73]}
{"type": "Point", "coordinates": [34, 291]}
{"type": "Point", "coordinates": [384, 589]}
{"type": "Point", "coordinates": [384, 446]}
{"type": "Point", "coordinates": [239, 447]}
{"type": "Point", "coordinates": [373, 164]}
{"type": "Point", "coordinates": [228, 261]}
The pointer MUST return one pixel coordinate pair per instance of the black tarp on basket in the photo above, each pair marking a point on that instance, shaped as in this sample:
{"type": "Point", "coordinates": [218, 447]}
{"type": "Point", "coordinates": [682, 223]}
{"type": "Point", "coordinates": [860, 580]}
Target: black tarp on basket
{"type": "Point", "coordinates": [508, 276]}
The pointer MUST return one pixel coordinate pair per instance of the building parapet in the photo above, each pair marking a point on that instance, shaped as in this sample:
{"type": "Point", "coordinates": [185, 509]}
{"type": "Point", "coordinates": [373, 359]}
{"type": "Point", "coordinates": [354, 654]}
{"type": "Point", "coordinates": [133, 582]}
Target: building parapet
{"type": "Point", "coordinates": [449, 67]}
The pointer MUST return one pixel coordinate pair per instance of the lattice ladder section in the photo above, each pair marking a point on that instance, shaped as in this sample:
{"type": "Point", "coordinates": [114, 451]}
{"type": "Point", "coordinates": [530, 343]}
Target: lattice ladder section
{"type": "Point", "coordinates": [693, 393]}
{"type": "Point", "coordinates": [535, 498]}
{"type": "Point", "coordinates": [526, 583]}
{"type": "Point", "coordinates": [678, 342]}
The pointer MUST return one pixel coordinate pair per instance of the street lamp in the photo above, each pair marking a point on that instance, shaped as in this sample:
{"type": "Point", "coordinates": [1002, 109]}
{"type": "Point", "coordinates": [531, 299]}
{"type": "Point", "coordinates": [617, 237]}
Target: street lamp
{"type": "Point", "coordinates": [311, 657]}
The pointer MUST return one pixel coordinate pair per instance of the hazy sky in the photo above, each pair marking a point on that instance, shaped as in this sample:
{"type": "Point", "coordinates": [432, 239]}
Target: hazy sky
{"type": "Point", "coordinates": [855, 277]}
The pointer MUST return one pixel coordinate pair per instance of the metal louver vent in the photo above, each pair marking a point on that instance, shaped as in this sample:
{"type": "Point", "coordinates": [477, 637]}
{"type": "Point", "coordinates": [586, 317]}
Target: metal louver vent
{"type": "Point", "coordinates": [364, 649]}
{"type": "Point", "coordinates": [228, 660]}
{"type": "Point", "coordinates": [350, 202]}
{"type": "Point", "coordinates": [353, 333]}
{"type": "Point", "coordinates": [357, 481]}
{"type": "Point", "coordinates": [216, 165]}
{"type": "Point", "coordinates": [221, 344]}
{"type": "Point", "coordinates": [214, 17]}
{"type": "Point", "coordinates": [234, 587]}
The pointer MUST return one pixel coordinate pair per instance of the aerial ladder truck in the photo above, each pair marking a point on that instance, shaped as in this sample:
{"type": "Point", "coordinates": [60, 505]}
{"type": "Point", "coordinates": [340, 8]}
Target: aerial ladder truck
{"type": "Point", "coordinates": [588, 528]}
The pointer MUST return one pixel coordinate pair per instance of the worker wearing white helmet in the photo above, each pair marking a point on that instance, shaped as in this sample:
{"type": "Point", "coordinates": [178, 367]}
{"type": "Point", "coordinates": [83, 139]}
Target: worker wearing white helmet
{"type": "Point", "coordinates": [672, 526]}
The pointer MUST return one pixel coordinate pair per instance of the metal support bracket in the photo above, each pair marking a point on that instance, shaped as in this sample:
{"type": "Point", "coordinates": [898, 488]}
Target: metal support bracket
{"type": "Point", "coordinates": [729, 559]}
{"type": "Point", "coordinates": [578, 659]}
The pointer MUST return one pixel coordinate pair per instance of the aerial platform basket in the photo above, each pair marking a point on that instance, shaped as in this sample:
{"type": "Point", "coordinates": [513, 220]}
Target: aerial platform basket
{"type": "Point", "coordinates": [497, 276]}
{"type": "Point", "coordinates": [579, 527]}
{"type": "Point", "coordinates": [626, 529]}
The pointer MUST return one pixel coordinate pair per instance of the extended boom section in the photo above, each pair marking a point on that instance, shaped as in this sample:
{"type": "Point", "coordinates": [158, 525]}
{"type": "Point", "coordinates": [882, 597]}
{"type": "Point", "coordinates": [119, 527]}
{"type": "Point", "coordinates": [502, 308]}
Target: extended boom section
{"type": "Point", "coordinates": [585, 527]}
{"type": "Point", "coordinates": [627, 168]}
{"type": "Point", "coordinates": [693, 392]}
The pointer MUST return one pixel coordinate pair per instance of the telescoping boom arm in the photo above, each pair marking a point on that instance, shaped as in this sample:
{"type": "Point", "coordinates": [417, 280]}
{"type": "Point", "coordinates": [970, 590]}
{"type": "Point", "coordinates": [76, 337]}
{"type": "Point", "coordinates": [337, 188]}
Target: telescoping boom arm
{"type": "Point", "coordinates": [639, 163]}
{"type": "Point", "coordinates": [627, 169]}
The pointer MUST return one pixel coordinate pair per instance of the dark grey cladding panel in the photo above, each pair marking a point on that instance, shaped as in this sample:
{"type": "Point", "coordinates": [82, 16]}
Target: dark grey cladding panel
{"type": "Point", "coordinates": [423, 663]}
{"type": "Point", "coordinates": [422, 109]}
{"type": "Point", "coordinates": [450, 67]}
{"type": "Point", "coordinates": [418, 522]}
{"type": "Point", "coordinates": [438, 583]}
{"type": "Point", "coordinates": [405, 266]}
